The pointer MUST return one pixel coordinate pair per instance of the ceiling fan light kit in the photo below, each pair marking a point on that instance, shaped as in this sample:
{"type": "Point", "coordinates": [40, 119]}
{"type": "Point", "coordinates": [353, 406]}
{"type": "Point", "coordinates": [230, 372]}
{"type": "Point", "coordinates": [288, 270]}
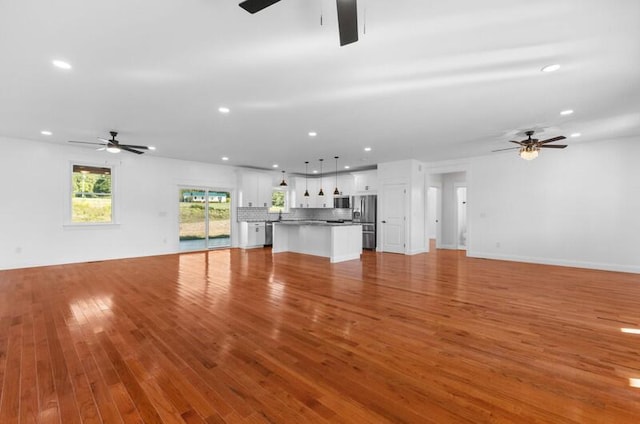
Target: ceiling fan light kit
{"type": "Point", "coordinates": [528, 153]}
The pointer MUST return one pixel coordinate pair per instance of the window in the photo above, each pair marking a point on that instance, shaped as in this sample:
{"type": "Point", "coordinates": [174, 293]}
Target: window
{"type": "Point", "coordinates": [205, 218]}
{"type": "Point", "coordinates": [91, 194]}
{"type": "Point", "coordinates": [279, 201]}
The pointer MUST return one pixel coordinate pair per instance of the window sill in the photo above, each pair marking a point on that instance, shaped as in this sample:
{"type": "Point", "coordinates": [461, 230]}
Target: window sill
{"type": "Point", "coordinates": [90, 225]}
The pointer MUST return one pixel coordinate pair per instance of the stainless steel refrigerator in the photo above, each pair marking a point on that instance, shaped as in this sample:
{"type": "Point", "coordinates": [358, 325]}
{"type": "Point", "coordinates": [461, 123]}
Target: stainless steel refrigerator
{"type": "Point", "coordinates": [364, 210]}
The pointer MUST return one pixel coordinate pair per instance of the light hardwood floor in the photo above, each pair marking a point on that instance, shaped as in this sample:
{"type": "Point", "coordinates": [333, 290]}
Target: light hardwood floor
{"type": "Point", "coordinates": [237, 336]}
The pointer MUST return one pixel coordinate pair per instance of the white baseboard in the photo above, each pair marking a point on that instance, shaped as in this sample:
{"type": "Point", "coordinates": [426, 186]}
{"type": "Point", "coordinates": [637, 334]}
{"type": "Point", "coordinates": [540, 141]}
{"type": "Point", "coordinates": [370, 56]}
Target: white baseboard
{"type": "Point", "coordinates": [447, 246]}
{"type": "Point", "coordinates": [559, 262]}
{"type": "Point", "coordinates": [417, 251]}
{"type": "Point", "coordinates": [342, 258]}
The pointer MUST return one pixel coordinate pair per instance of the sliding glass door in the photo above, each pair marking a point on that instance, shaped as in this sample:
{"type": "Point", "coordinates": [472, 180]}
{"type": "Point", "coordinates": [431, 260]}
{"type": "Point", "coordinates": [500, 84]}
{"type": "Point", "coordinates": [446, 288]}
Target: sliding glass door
{"type": "Point", "coordinates": [205, 218]}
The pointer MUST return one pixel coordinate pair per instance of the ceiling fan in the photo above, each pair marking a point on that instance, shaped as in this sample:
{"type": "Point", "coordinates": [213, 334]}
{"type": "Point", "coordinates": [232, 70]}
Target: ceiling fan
{"type": "Point", "coordinates": [530, 147]}
{"type": "Point", "coordinates": [347, 16]}
{"type": "Point", "coordinates": [114, 146]}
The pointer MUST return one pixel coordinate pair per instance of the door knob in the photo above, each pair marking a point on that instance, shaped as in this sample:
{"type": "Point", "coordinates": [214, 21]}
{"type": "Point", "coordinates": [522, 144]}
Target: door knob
{"type": "Point", "coordinates": [384, 222]}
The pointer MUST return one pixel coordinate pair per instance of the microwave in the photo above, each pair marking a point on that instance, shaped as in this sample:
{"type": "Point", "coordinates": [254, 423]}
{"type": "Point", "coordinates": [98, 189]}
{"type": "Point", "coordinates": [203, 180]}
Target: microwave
{"type": "Point", "coordinates": [341, 202]}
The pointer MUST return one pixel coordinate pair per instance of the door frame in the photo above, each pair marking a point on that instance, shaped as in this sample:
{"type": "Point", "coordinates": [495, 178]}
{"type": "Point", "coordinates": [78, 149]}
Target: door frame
{"type": "Point", "coordinates": [456, 186]}
{"type": "Point", "coordinates": [383, 213]}
{"type": "Point", "coordinates": [232, 207]}
{"type": "Point", "coordinates": [438, 212]}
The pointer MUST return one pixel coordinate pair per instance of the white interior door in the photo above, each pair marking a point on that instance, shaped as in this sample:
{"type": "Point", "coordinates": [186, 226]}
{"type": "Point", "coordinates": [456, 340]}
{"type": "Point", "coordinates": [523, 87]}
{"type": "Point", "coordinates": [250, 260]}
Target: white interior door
{"type": "Point", "coordinates": [461, 227]}
{"type": "Point", "coordinates": [393, 218]}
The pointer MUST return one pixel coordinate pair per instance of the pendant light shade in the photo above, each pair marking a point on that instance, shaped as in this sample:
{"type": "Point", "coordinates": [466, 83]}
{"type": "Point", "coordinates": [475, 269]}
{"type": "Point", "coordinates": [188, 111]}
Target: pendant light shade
{"type": "Point", "coordinates": [336, 192]}
{"type": "Point", "coordinates": [321, 193]}
{"type": "Point", "coordinates": [283, 183]}
{"type": "Point", "coordinates": [306, 179]}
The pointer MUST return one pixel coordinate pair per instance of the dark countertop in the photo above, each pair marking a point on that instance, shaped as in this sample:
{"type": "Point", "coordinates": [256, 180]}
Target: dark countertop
{"type": "Point", "coordinates": [316, 222]}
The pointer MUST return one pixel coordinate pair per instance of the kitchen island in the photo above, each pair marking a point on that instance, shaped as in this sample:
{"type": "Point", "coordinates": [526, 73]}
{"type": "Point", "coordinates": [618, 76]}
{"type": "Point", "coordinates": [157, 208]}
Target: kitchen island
{"type": "Point", "coordinates": [337, 241]}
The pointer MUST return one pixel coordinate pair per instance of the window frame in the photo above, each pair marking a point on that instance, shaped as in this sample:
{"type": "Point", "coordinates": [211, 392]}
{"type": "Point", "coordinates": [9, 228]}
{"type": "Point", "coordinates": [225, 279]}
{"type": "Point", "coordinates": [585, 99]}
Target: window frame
{"type": "Point", "coordinates": [285, 208]}
{"type": "Point", "coordinates": [68, 198]}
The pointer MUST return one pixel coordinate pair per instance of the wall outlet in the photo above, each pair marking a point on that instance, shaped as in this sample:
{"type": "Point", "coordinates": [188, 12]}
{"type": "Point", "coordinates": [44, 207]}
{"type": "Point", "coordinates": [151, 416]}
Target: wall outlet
{"type": "Point", "coordinates": [18, 249]}
{"type": "Point", "coordinates": [498, 244]}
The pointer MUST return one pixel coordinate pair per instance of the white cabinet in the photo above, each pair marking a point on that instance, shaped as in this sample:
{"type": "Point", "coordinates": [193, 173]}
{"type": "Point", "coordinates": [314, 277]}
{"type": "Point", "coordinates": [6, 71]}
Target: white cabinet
{"type": "Point", "coordinates": [314, 200]}
{"type": "Point", "coordinates": [300, 200]}
{"type": "Point", "coordinates": [318, 201]}
{"type": "Point", "coordinates": [252, 234]}
{"type": "Point", "coordinates": [366, 182]}
{"type": "Point", "coordinates": [255, 189]}
{"type": "Point", "coordinates": [346, 184]}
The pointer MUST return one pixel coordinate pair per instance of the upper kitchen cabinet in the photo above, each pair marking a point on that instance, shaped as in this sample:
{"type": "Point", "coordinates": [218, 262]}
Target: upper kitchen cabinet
{"type": "Point", "coordinates": [313, 200]}
{"type": "Point", "coordinates": [300, 201]}
{"type": "Point", "coordinates": [255, 189]}
{"type": "Point", "coordinates": [366, 182]}
{"type": "Point", "coordinates": [346, 184]}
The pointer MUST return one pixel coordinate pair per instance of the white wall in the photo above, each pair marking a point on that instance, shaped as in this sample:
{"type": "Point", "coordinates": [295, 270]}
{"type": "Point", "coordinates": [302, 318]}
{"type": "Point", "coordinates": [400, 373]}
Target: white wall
{"type": "Point", "coordinates": [578, 207]}
{"type": "Point", "coordinates": [35, 180]}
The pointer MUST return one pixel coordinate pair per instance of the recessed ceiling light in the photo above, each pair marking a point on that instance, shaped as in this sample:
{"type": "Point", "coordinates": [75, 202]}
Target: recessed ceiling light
{"type": "Point", "coordinates": [152, 147]}
{"type": "Point", "coordinates": [551, 68]}
{"type": "Point", "coordinates": [312, 133]}
{"type": "Point", "coordinates": [224, 109]}
{"type": "Point", "coordinates": [347, 167]}
{"type": "Point", "coordinates": [46, 132]}
{"type": "Point", "coordinates": [367, 149]}
{"type": "Point", "coordinates": [61, 64]}
{"type": "Point", "coordinates": [566, 112]}
{"type": "Point", "coordinates": [275, 165]}
{"type": "Point", "coordinates": [224, 158]}
{"type": "Point", "coordinates": [315, 171]}
{"type": "Point", "coordinates": [574, 135]}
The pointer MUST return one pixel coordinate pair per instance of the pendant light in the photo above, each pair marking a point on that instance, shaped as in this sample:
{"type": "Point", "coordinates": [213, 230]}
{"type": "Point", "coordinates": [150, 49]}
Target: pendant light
{"type": "Point", "coordinates": [283, 183]}
{"type": "Point", "coordinates": [321, 193]}
{"type": "Point", "coordinates": [336, 192]}
{"type": "Point", "coordinates": [306, 179]}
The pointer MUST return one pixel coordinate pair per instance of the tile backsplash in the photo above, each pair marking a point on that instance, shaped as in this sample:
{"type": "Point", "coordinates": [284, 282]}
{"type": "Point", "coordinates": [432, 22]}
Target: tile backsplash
{"type": "Point", "coordinates": [263, 214]}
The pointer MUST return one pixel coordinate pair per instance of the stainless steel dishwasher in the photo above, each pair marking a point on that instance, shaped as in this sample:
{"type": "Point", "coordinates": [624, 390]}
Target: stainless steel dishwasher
{"type": "Point", "coordinates": [268, 233]}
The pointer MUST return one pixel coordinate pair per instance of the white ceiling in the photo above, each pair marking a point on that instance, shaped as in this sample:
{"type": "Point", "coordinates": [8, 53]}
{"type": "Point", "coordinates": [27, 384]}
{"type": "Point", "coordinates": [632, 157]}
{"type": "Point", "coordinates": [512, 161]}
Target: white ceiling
{"type": "Point", "coordinates": [429, 80]}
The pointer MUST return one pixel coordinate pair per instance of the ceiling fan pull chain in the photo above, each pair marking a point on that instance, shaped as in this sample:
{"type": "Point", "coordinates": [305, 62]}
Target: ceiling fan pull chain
{"type": "Point", "coordinates": [364, 19]}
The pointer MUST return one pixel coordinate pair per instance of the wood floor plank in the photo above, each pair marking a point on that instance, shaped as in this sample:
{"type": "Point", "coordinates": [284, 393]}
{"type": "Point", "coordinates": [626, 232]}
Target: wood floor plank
{"type": "Point", "coordinates": [235, 336]}
{"type": "Point", "coordinates": [10, 405]}
{"type": "Point", "coordinates": [28, 378]}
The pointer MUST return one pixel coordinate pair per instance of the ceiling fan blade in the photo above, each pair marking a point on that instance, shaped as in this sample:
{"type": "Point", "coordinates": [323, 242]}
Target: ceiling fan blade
{"type": "Point", "coordinates": [553, 146]}
{"type": "Point", "coordinates": [86, 142]}
{"type": "Point", "coordinates": [104, 140]}
{"type": "Point", "coordinates": [101, 148]}
{"type": "Point", "coordinates": [560, 137]}
{"type": "Point", "coordinates": [347, 21]}
{"type": "Point", "coordinates": [253, 6]}
{"type": "Point", "coordinates": [510, 148]}
{"type": "Point", "coordinates": [132, 146]}
{"type": "Point", "coordinates": [129, 149]}
{"type": "Point", "coordinates": [517, 142]}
